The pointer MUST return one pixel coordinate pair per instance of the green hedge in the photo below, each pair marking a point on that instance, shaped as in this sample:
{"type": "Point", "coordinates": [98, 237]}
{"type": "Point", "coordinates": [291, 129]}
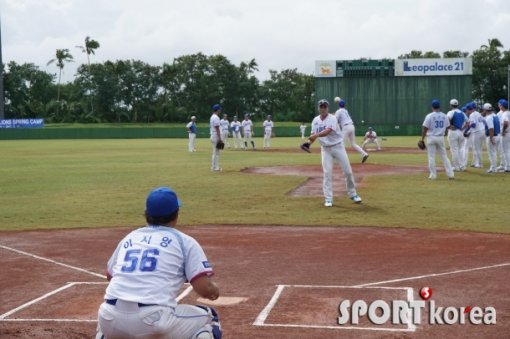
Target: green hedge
{"type": "Point", "coordinates": [171, 132]}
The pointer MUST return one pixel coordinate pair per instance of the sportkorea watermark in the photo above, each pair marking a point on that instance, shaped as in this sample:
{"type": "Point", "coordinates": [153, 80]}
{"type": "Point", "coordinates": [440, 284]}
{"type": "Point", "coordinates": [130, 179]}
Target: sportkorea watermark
{"type": "Point", "coordinates": [404, 312]}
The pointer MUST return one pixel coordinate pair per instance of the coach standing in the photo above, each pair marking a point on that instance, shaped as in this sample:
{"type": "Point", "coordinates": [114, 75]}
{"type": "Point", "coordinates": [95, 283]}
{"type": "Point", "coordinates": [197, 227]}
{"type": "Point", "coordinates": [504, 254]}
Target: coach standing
{"type": "Point", "coordinates": [434, 128]}
{"type": "Point", "coordinates": [192, 134]}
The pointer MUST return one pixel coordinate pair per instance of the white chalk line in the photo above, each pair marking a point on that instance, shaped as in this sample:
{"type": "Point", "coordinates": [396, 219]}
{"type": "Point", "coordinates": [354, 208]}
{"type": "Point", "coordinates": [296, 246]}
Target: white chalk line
{"type": "Point", "coordinates": [261, 318]}
{"type": "Point", "coordinates": [53, 262]}
{"type": "Point", "coordinates": [4, 316]}
{"type": "Point", "coordinates": [431, 275]}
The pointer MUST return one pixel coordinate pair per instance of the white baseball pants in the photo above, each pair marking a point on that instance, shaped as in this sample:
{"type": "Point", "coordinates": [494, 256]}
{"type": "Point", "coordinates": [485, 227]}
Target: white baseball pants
{"type": "Point", "coordinates": [435, 145]}
{"type": "Point", "coordinates": [215, 160]}
{"type": "Point", "coordinates": [456, 142]}
{"type": "Point", "coordinates": [477, 140]}
{"type": "Point", "coordinates": [267, 139]}
{"type": "Point", "coordinates": [127, 320]}
{"type": "Point", "coordinates": [492, 150]}
{"type": "Point", "coordinates": [371, 141]}
{"type": "Point", "coordinates": [348, 132]}
{"type": "Point", "coordinates": [224, 137]}
{"type": "Point", "coordinates": [505, 143]}
{"type": "Point", "coordinates": [328, 155]}
{"type": "Point", "coordinates": [191, 143]}
{"type": "Point", "coordinates": [238, 140]}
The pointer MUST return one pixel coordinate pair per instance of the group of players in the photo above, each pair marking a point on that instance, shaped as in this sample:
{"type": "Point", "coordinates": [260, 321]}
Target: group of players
{"type": "Point", "coordinates": [467, 129]}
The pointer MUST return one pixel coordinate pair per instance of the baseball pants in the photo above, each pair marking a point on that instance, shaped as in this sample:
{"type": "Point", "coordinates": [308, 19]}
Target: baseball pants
{"type": "Point", "coordinates": [330, 154]}
{"type": "Point", "coordinates": [267, 139]}
{"type": "Point", "coordinates": [477, 140]}
{"type": "Point", "coordinates": [215, 160]}
{"type": "Point", "coordinates": [492, 150]}
{"type": "Point", "coordinates": [456, 142]}
{"type": "Point", "coordinates": [238, 140]}
{"type": "Point", "coordinates": [348, 132]}
{"type": "Point", "coordinates": [505, 143]}
{"type": "Point", "coordinates": [191, 143]}
{"type": "Point", "coordinates": [224, 137]}
{"type": "Point", "coordinates": [371, 141]}
{"type": "Point", "coordinates": [435, 144]}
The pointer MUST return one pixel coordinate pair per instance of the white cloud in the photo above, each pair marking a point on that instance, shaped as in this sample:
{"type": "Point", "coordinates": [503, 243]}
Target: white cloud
{"type": "Point", "coordinates": [279, 34]}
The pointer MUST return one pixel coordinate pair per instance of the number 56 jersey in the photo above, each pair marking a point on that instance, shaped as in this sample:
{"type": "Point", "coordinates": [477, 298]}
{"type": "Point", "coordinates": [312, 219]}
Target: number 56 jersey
{"type": "Point", "coordinates": [151, 264]}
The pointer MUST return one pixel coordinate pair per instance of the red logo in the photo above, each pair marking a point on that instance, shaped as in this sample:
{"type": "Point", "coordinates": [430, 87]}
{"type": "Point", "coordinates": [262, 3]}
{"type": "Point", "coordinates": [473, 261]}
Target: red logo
{"type": "Point", "coordinates": [426, 293]}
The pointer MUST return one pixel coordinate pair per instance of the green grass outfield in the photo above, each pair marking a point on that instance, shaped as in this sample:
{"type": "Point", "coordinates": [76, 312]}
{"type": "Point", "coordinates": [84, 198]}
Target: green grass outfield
{"type": "Point", "coordinates": [48, 184]}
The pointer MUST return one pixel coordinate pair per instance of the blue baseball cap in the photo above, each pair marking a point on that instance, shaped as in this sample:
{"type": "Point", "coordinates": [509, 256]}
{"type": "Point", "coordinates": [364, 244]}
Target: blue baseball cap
{"type": "Point", "coordinates": [162, 201]}
{"type": "Point", "coordinates": [436, 103]}
{"type": "Point", "coordinates": [503, 103]}
{"type": "Point", "coordinates": [341, 103]}
{"type": "Point", "coordinates": [216, 107]}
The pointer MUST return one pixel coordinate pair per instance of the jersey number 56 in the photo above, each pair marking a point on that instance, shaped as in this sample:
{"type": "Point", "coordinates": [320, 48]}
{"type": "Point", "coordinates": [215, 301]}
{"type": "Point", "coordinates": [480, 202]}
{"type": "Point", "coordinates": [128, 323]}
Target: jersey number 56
{"type": "Point", "coordinates": [146, 261]}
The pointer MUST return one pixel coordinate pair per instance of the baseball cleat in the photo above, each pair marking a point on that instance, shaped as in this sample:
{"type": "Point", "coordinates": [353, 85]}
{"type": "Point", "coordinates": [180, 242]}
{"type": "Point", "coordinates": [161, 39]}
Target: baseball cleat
{"type": "Point", "coordinates": [328, 203]}
{"type": "Point", "coordinates": [365, 157]}
{"type": "Point", "coordinates": [356, 199]}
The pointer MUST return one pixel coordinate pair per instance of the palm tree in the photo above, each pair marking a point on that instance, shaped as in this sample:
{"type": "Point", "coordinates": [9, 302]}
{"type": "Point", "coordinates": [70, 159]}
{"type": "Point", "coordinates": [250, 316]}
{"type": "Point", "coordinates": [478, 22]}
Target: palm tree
{"type": "Point", "coordinates": [61, 57]}
{"type": "Point", "coordinates": [89, 48]}
{"type": "Point", "coordinates": [493, 44]}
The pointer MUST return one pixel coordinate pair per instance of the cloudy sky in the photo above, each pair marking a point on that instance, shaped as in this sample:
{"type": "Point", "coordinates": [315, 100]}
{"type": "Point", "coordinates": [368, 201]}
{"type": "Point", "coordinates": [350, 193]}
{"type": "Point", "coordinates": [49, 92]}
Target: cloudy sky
{"type": "Point", "coordinates": [278, 34]}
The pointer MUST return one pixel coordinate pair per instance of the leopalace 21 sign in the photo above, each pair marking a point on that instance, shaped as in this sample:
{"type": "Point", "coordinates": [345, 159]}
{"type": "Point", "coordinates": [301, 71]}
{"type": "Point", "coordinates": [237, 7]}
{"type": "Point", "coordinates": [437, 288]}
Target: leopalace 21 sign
{"type": "Point", "coordinates": [433, 67]}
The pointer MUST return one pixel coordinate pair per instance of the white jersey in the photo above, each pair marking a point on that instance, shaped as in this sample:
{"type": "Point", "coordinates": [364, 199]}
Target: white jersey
{"type": "Point", "coordinates": [343, 117]}
{"type": "Point", "coordinates": [235, 126]}
{"type": "Point", "coordinates": [151, 263]}
{"type": "Point", "coordinates": [505, 117]}
{"type": "Point", "coordinates": [213, 122]}
{"type": "Point", "coordinates": [437, 123]}
{"type": "Point", "coordinates": [268, 126]}
{"type": "Point", "coordinates": [247, 124]}
{"type": "Point", "coordinates": [476, 118]}
{"type": "Point", "coordinates": [319, 125]}
{"type": "Point", "coordinates": [371, 135]}
{"type": "Point", "coordinates": [224, 125]}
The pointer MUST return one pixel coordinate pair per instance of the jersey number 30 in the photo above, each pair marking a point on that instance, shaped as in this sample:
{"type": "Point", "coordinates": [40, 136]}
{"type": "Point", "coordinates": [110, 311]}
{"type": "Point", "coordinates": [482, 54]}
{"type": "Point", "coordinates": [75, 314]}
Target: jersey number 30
{"type": "Point", "coordinates": [147, 259]}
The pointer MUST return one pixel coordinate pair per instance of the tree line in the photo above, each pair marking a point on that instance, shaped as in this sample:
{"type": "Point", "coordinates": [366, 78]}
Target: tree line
{"type": "Point", "coordinates": [134, 91]}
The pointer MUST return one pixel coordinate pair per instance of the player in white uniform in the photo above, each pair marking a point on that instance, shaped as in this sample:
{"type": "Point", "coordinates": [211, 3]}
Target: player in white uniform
{"type": "Point", "coordinates": [192, 134]}
{"type": "Point", "coordinates": [215, 131]}
{"type": "Point", "coordinates": [348, 130]}
{"type": "Point", "coordinates": [476, 129]}
{"type": "Point", "coordinates": [493, 137]}
{"type": "Point", "coordinates": [268, 130]}
{"type": "Point", "coordinates": [434, 128]}
{"type": "Point", "coordinates": [235, 127]}
{"type": "Point", "coordinates": [146, 272]}
{"type": "Point", "coordinates": [302, 129]}
{"type": "Point", "coordinates": [224, 125]}
{"type": "Point", "coordinates": [458, 122]}
{"type": "Point", "coordinates": [505, 133]}
{"type": "Point", "coordinates": [248, 131]}
{"type": "Point", "coordinates": [325, 128]}
{"type": "Point", "coordinates": [370, 138]}
{"type": "Point", "coordinates": [501, 153]}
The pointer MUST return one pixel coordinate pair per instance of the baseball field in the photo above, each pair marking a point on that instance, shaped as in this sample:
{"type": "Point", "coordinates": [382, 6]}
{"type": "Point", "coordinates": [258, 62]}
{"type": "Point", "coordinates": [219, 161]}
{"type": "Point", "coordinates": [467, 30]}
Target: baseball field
{"type": "Point", "coordinates": [283, 261]}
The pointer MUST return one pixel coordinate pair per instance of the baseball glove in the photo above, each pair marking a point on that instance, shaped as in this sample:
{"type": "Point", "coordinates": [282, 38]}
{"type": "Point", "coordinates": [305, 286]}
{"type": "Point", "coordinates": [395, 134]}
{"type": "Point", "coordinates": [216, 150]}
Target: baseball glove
{"type": "Point", "coordinates": [220, 145]}
{"type": "Point", "coordinates": [467, 134]}
{"type": "Point", "coordinates": [421, 144]}
{"type": "Point", "coordinates": [305, 147]}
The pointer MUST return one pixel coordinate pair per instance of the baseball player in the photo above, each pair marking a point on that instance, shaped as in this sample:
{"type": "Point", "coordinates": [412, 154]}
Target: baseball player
{"type": "Point", "coordinates": [248, 131]}
{"type": "Point", "coordinates": [224, 125]}
{"type": "Point", "coordinates": [370, 138]}
{"type": "Point", "coordinates": [145, 274]}
{"type": "Point", "coordinates": [348, 130]}
{"type": "Point", "coordinates": [235, 126]}
{"type": "Point", "coordinates": [501, 153]}
{"type": "Point", "coordinates": [325, 128]}
{"type": "Point", "coordinates": [505, 133]}
{"type": "Point", "coordinates": [192, 134]}
{"type": "Point", "coordinates": [476, 131]}
{"type": "Point", "coordinates": [492, 132]}
{"type": "Point", "coordinates": [215, 131]}
{"type": "Point", "coordinates": [268, 130]}
{"type": "Point", "coordinates": [302, 129]}
{"type": "Point", "coordinates": [434, 128]}
{"type": "Point", "coordinates": [458, 122]}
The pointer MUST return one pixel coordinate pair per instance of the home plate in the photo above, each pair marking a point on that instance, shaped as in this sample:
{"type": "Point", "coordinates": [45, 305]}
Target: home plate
{"type": "Point", "coordinates": [222, 301]}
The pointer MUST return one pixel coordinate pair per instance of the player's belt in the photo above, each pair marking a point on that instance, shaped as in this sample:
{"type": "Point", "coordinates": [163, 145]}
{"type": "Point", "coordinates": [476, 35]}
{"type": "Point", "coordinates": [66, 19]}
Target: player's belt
{"type": "Point", "coordinates": [114, 302]}
{"type": "Point", "coordinates": [349, 123]}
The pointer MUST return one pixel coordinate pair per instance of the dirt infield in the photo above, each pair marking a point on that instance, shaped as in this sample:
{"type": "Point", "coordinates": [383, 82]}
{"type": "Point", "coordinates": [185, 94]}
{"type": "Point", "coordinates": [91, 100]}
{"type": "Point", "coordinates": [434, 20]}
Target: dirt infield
{"type": "Point", "coordinates": [293, 278]}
